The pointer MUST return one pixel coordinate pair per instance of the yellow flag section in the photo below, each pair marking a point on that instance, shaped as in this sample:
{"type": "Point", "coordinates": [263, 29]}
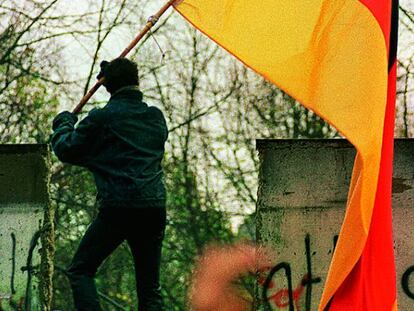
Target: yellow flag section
{"type": "Point", "coordinates": [329, 55]}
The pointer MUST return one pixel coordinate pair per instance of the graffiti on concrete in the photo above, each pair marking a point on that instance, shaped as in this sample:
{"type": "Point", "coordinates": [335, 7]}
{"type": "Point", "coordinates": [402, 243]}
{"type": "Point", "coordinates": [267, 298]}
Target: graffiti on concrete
{"type": "Point", "coordinates": [13, 259]}
{"type": "Point", "coordinates": [405, 282]}
{"type": "Point", "coordinates": [22, 303]}
{"type": "Point", "coordinates": [290, 298]}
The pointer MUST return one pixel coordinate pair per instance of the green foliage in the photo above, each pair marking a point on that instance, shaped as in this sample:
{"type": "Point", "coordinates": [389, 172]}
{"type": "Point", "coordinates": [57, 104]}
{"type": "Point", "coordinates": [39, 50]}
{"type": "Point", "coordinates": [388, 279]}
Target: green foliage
{"type": "Point", "coordinates": [26, 109]}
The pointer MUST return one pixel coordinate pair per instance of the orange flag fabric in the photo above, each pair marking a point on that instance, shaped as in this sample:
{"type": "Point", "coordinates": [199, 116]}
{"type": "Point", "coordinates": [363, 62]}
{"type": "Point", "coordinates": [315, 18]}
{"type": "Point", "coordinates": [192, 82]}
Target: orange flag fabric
{"type": "Point", "coordinates": [333, 56]}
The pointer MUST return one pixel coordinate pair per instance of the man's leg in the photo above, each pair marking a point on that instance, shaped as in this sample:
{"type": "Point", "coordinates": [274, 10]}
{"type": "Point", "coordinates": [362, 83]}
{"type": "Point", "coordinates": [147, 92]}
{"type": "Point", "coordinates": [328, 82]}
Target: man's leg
{"type": "Point", "coordinates": [101, 238]}
{"type": "Point", "coordinates": [145, 243]}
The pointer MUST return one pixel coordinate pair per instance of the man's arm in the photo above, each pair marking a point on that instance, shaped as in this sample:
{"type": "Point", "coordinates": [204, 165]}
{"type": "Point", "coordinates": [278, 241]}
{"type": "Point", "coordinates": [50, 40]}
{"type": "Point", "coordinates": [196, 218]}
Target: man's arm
{"type": "Point", "coordinates": [74, 145]}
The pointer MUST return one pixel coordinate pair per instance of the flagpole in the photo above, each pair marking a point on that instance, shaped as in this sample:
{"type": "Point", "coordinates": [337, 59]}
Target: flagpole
{"type": "Point", "coordinates": [150, 23]}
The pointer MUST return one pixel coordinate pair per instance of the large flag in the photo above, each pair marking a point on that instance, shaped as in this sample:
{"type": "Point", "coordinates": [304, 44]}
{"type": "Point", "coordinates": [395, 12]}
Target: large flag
{"type": "Point", "coordinates": [337, 58]}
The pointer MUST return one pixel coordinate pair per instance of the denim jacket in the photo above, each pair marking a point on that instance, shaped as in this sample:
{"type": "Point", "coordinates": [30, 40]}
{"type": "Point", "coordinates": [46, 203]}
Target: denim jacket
{"type": "Point", "coordinates": [122, 144]}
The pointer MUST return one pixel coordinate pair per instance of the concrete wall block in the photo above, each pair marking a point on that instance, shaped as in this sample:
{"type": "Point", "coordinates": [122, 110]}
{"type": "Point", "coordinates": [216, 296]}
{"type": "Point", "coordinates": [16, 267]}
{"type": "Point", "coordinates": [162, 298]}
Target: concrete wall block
{"type": "Point", "coordinates": [25, 228]}
{"type": "Point", "coordinates": [303, 186]}
{"type": "Point", "coordinates": [303, 173]}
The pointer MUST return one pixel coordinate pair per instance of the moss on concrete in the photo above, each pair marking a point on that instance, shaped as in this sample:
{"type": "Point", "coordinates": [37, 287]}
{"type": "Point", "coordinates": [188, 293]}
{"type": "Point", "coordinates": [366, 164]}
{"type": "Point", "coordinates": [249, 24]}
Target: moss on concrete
{"type": "Point", "coordinates": [48, 246]}
{"type": "Point", "coordinates": [22, 169]}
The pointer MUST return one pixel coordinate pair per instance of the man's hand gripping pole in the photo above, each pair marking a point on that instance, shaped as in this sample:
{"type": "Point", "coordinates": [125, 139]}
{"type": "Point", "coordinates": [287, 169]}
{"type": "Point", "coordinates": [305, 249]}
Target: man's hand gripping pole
{"type": "Point", "coordinates": [150, 23]}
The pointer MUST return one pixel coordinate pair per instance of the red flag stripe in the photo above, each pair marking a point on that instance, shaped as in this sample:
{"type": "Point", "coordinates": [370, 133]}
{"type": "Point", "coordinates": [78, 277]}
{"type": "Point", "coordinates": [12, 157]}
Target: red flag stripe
{"type": "Point", "coordinates": [365, 288]}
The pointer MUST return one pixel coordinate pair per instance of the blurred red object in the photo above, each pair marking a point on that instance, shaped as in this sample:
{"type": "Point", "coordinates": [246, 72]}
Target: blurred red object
{"type": "Point", "coordinates": [216, 270]}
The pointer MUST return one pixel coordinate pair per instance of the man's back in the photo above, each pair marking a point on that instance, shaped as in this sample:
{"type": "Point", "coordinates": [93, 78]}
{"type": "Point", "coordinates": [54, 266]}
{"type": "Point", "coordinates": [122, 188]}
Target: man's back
{"type": "Point", "coordinates": [123, 146]}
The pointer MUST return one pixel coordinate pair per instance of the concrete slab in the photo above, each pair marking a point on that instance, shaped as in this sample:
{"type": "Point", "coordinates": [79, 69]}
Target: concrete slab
{"type": "Point", "coordinates": [26, 232]}
{"type": "Point", "coordinates": [303, 187]}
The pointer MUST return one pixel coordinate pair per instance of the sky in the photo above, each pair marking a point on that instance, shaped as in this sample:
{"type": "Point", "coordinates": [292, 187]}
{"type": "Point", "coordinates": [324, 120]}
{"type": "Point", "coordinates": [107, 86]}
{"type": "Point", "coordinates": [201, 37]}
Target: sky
{"type": "Point", "coordinates": [77, 54]}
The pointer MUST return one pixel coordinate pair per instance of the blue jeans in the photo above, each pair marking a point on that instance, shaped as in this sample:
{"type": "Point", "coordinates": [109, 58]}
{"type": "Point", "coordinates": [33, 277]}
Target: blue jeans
{"type": "Point", "coordinates": [143, 229]}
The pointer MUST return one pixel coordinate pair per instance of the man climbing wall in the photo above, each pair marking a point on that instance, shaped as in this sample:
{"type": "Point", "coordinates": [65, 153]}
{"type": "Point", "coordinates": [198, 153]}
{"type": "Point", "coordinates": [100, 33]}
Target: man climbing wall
{"type": "Point", "coordinates": [122, 144]}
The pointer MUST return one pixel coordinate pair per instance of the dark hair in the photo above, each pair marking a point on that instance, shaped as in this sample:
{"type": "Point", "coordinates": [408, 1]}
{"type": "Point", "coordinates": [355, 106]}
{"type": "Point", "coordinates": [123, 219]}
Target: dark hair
{"type": "Point", "coordinates": [119, 73]}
